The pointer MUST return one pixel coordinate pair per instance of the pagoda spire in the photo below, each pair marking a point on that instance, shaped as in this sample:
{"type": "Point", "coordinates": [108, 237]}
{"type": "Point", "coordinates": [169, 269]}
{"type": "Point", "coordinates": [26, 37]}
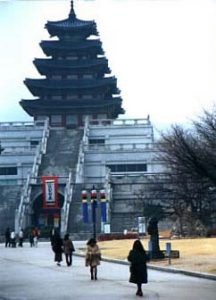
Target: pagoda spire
{"type": "Point", "coordinates": [72, 12]}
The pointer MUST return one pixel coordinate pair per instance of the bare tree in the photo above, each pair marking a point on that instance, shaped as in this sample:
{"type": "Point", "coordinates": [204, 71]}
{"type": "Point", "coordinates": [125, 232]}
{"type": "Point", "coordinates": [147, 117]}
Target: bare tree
{"type": "Point", "coordinates": [190, 156]}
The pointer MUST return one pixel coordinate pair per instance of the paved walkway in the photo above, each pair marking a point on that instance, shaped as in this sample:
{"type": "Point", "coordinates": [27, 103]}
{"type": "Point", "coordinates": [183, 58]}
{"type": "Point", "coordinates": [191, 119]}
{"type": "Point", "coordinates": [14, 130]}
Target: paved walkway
{"type": "Point", "coordinates": [30, 274]}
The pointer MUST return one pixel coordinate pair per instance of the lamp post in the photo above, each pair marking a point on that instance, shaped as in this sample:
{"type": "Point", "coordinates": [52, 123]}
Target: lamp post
{"type": "Point", "coordinates": [94, 209]}
{"type": "Point", "coordinates": [95, 196]}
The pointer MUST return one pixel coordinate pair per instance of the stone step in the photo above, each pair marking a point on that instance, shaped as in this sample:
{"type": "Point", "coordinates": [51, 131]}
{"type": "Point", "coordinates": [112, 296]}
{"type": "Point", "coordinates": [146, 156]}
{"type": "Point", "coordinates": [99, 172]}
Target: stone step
{"type": "Point", "coordinates": [62, 152]}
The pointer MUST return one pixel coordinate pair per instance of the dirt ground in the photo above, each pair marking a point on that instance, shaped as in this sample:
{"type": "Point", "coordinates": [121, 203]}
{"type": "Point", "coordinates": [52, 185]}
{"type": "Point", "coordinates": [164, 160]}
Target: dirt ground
{"type": "Point", "coordinates": [198, 254]}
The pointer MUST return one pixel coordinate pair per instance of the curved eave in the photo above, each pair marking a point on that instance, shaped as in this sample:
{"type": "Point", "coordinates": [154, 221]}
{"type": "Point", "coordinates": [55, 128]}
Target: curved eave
{"type": "Point", "coordinates": [46, 66]}
{"type": "Point", "coordinates": [46, 86]}
{"type": "Point", "coordinates": [37, 106]}
{"type": "Point", "coordinates": [71, 22]}
{"type": "Point", "coordinates": [71, 45]}
{"type": "Point", "coordinates": [56, 49]}
{"type": "Point", "coordinates": [71, 26]}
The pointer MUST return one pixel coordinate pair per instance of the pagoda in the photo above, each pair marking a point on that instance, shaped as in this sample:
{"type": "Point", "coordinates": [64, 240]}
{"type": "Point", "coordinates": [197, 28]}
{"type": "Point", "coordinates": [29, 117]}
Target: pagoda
{"type": "Point", "coordinates": [76, 77]}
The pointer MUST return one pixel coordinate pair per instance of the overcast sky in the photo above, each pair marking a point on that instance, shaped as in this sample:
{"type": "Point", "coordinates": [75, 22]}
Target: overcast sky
{"type": "Point", "coordinates": [163, 53]}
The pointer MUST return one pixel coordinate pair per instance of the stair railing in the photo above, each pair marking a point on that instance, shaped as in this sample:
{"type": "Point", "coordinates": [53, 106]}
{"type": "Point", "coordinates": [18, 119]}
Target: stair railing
{"type": "Point", "coordinates": [40, 151]}
{"type": "Point", "coordinates": [108, 190]}
{"type": "Point", "coordinates": [66, 206]}
{"type": "Point", "coordinates": [81, 155]}
{"type": "Point", "coordinates": [78, 179]}
{"type": "Point", "coordinates": [20, 220]}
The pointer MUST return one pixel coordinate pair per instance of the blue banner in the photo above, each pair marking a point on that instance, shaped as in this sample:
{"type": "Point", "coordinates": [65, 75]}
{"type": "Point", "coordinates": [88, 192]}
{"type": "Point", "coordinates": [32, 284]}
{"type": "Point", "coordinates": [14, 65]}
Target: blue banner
{"type": "Point", "coordinates": [85, 211]}
{"type": "Point", "coordinates": [94, 206]}
{"type": "Point", "coordinates": [103, 210]}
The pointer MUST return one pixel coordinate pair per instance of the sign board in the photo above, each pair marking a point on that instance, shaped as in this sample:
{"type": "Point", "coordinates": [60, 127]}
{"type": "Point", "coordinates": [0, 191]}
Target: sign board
{"type": "Point", "coordinates": [106, 228]}
{"type": "Point", "coordinates": [141, 225]}
{"type": "Point", "coordinates": [50, 191]}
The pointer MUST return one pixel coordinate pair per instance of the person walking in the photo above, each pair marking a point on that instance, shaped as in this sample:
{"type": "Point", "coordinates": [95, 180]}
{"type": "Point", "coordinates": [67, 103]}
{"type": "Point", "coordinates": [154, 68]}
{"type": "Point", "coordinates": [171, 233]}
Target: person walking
{"type": "Point", "coordinates": [138, 269]}
{"type": "Point", "coordinates": [36, 234]}
{"type": "Point", "coordinates": [68, 249]}
{"type": "Point", "coordinates": [7, 237]}
{"type": "Point", "coordinates": [21, 238]}
{"type": "Point", "coordinates": [31, 239]}
{"type": "Point", "coordinates": [93, 257]}
{"type": "Point", "coordinates": [57, 247]}
{"type": "Point", "coordinates": [13, 239]}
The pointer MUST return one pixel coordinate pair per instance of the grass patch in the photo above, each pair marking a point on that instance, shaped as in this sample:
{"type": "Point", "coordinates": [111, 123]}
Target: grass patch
{"type": "Point", "coordinates": [195, 254]}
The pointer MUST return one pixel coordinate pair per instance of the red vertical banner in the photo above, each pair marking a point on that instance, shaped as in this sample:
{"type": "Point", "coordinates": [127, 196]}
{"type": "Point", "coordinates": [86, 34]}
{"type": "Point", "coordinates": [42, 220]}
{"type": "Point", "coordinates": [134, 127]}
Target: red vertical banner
{"type": "Point", "coordinates": [50, 191]}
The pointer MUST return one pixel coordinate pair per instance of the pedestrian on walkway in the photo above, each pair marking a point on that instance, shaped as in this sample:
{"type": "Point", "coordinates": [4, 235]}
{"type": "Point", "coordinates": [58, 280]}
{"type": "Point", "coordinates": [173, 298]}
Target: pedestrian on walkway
{"type": "Point", "coordinates": [93, 257]}
{"type": "Point", "coordinates": [138, 269]}
{"type": "Point", "coordinates": [36, 234]}
{"type": "Point", "coordinates": [57, 248]}
{"type": "Point", "coordinates": [31, 239]}
{"type": "Point", "coordinates": [13, 239]}
{"type": "Point", "coordinates": [7, 237]}
{"type": "Point", "coordinates": [68, 249]}
{"type": "Point", "coordinates": [21, 238]}
{"type": "Point", "coordinates": [52, 234]}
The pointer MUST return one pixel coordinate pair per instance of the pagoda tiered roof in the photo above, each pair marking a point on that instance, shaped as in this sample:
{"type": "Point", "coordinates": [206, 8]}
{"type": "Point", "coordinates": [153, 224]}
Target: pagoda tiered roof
{"type": "Point", "coordinates": [41, 86]}
{"type": "Point", "coordinates": [76, 81]}
{"type": "Point", "coordinates": [45, 66]}
{"type": "Point", "coordinates": [101, 105]}
{"type": "Point", "coordinates": [92, 46]}
{"type": "Point", "coordinates": [71, 25]}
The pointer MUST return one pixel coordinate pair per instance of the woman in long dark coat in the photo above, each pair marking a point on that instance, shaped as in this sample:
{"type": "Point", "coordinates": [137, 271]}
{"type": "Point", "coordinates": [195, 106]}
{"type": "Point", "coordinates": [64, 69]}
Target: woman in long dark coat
{"type": "Point", "coordinates": [138, 269]}
{"type": "Point", "coordinates": [57, 246]}
{"type": "Point", "coordinates": [68, 249]}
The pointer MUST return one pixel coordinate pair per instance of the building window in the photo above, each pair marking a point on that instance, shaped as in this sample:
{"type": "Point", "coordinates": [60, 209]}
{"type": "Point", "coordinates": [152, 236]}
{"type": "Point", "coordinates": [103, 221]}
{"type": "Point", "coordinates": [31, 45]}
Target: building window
{"type": "Point", "coordinates": [71, 97]}
{"type": "Point", "coordinates": [118, 168]}
{"type": "Point", "coordinates": [56, 120]}
{"type": "Point", "coordinates": [71, 120]}
{"type": "Point", "coordinates": [8, 171]}
{"type": "Point", "coordinates": [56, 97]}
{"type": "Point", "coordinates": [72, 58]}
{"type": "Point", "coordinates": [96, 141]}
{"type": "Point", "coordinates": [56, 77]}
{"type": "Point", "coordinates": [34, 143]}
{"type": "Point", "coordinates": [72, 76]}
{"type": "Point", "coordinates": [41, 118]}
{"type": "Point", "coordinates": [87, 97]}
{"type": "Point", "coordinates": [87, 76]}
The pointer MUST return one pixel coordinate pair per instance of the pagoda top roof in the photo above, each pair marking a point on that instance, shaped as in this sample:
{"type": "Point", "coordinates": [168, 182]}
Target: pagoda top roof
{"type": "Point", "coordinates": [71, 23]}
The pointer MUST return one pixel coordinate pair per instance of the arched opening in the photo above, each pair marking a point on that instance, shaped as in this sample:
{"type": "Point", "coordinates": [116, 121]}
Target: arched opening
{"type": "Point", "coordinates": [46, 218]}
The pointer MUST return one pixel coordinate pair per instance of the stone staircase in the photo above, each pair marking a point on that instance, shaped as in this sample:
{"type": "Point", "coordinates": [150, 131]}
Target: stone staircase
{"type": "Point", "coordinates": [60, 159]}
{"type": "Point", "coordinates": [62, 152]}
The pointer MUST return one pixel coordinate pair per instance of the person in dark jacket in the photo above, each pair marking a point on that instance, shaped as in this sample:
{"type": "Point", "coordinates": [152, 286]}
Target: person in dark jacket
{"type": "Point", "coordinates": [68, 249]}
{"type": "Point", "coordinates": [7, 237]}
{"type": "Point", "coordinates": [57, 248]}
{"type": "Point", "coordinates": [138, 270]}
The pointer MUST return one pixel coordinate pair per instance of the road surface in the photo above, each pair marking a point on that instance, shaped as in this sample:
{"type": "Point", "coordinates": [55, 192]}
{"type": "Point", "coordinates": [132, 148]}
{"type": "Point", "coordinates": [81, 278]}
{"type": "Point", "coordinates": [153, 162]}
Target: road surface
{"type": "Point", "coordinates": [31, 274]}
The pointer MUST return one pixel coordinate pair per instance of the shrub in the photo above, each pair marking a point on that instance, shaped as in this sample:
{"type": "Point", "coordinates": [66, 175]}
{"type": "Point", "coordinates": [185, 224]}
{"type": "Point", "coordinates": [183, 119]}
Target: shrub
{"type": "Point", "coordinates": [117, 236]}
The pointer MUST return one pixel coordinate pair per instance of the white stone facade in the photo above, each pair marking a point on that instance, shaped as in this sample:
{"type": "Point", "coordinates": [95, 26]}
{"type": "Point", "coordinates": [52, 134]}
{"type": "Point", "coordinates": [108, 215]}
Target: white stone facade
{"type": "Point", "coordinates": [120, 142]}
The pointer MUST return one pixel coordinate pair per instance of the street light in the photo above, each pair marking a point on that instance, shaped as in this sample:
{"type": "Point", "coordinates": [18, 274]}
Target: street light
{"type": "Point", "coordinates": [94, 209]}
{"type": "Point", "coordinates": [94, 197]}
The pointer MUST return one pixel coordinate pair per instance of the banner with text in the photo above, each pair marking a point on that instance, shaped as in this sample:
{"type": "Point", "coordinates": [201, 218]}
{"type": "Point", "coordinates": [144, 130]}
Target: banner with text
{"type": "Point", "coordinates": [50, 191]}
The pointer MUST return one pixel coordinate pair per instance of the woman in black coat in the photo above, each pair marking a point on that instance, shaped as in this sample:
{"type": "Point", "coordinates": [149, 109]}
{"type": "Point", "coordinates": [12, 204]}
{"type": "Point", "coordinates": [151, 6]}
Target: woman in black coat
{"type": "Point", "coordinates": [138, 258]}
{"type": "Point", "coordinates": [57, 246]}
